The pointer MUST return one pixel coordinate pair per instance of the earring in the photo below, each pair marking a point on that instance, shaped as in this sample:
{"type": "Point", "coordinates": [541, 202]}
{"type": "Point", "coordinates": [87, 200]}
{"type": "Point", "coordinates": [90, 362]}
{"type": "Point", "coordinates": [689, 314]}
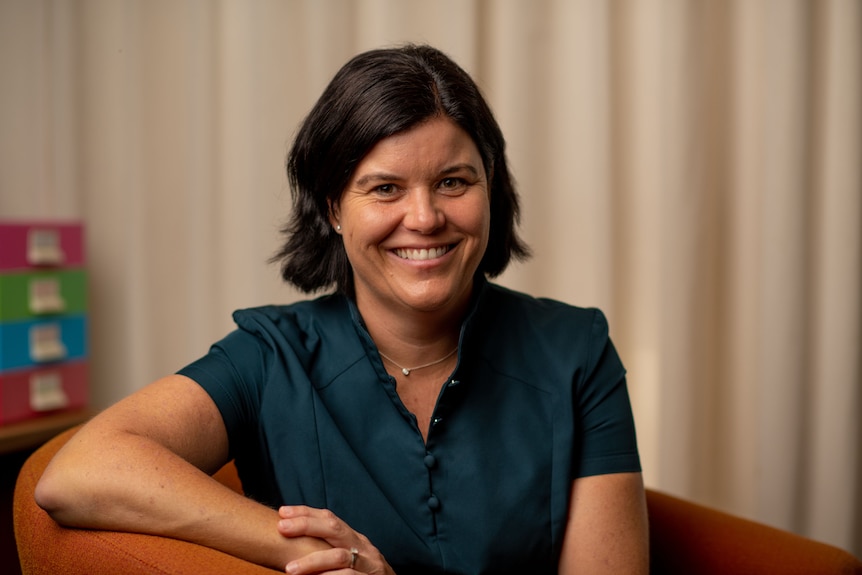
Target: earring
{"type": "Point", "coordinates": [338, 227]}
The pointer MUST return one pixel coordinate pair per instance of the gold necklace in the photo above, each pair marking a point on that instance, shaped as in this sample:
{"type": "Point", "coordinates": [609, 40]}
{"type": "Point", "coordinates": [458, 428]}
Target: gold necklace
{"type": "Point", "coordinates": [407, 370]}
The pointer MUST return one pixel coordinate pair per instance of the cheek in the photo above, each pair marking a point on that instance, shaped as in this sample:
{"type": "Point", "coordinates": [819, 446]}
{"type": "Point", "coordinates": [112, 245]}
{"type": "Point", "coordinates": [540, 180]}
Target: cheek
{"type": "Point", "coordinates": [480, 221]}
{"type": "Point", "coordinates": [356, 215]}
{"type": "Point", "coordinates": [364, 229]}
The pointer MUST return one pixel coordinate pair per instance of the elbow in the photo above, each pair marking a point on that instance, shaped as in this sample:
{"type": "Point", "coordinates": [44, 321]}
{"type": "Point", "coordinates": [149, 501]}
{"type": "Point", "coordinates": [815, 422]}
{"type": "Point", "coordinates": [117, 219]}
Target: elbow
{"type": "Point", "coordinates": [49, 494]}
{"type": "Point", "coordinates": [55, 495]}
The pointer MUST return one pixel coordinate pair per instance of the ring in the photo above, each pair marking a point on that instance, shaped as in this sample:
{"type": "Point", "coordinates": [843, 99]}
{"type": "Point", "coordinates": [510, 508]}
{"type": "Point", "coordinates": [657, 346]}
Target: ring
{"type": "Point", "coordinates": [354, 553]}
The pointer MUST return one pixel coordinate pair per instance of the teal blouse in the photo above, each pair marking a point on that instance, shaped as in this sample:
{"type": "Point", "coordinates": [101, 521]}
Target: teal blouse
{"type": "Point", "coordinates": [537, 399]}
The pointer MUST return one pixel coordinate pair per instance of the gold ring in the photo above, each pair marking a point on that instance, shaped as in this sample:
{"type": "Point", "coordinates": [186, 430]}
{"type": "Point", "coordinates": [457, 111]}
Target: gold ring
{"type": "Point", "coordinates": [354, 553]}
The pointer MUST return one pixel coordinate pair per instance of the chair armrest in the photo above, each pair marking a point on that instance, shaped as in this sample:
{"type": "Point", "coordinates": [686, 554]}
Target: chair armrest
{"type": "Point", "coordinates": [688, 538]}
{"type": "Point", "coordinates": [44, 547]}
{"type": "Point", "coordinates": [685, 538]}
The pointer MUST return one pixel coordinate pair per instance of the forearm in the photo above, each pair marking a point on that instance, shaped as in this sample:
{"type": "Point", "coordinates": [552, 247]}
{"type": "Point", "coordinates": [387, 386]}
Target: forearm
{"type": "Point", "coordinates": [131, 483]}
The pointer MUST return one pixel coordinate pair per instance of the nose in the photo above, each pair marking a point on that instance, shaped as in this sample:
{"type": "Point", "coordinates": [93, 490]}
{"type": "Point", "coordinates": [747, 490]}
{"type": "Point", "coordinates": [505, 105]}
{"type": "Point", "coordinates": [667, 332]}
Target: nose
{"type": "Point", "coordinates": [424, 212]}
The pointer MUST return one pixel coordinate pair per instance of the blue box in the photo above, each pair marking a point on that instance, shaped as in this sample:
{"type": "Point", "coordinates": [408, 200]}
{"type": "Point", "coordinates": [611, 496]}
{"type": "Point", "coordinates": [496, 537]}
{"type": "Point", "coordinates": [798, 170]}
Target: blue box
{"type": "Point", "coordinates": [27, 344]}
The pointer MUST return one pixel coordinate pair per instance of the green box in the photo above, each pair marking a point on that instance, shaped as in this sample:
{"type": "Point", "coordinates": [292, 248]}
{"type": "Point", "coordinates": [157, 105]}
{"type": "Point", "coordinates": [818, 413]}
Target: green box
{"type": "Point", "coordinates": [34, 294]}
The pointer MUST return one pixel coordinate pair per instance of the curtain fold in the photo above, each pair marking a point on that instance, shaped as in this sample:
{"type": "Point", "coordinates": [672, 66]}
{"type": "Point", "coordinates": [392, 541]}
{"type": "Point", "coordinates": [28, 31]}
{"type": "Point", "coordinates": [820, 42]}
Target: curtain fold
{"type": "Point", "coordinates": [692, 168]}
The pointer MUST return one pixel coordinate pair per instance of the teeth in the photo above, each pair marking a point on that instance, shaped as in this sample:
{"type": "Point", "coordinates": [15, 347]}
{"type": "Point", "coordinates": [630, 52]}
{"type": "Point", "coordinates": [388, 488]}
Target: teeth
{"type": "Point", "coordinates": [422, 254]}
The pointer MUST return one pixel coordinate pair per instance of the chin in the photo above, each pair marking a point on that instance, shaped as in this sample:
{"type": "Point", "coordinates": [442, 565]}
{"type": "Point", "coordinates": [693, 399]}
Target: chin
{"type": "Point", "coordinates": [434, 300]}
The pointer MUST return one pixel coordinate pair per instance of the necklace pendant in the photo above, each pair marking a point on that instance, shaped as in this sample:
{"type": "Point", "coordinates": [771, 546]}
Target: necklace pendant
{"type": "Point", "coordinates": [405, 371]}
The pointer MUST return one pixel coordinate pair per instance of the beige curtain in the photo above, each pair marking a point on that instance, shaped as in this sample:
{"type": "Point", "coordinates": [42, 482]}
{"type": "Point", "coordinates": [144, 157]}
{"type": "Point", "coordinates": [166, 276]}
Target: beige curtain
{"type": "Point", "coordinates": [692, 167]}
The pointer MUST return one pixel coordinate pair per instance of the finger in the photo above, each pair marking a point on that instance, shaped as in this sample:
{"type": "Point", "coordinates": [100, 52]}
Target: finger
{"type": "Point", "coordinates": [286, 511]}
{"type": "Point", "coordinates": [324, 526]}
{"type": "Point", "coordinates": [336, 559]}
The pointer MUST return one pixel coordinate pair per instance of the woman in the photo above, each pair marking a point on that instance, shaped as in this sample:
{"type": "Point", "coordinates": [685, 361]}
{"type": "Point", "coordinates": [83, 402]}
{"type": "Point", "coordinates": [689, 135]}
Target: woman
{"type": "Point", "coordinates": [418, 420]}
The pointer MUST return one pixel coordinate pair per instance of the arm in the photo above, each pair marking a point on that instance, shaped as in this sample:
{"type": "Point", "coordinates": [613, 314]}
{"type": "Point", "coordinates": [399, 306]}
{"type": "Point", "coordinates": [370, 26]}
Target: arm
{"type": "Point", "coordinates": [607, 528]}
{"type": "Point", "coordinates": [143, 465]}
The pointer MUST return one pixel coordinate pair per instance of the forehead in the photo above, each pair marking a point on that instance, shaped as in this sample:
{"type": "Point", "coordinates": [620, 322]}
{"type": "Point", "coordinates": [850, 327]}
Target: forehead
{"type": "Point", "coordinates": [431, 145]}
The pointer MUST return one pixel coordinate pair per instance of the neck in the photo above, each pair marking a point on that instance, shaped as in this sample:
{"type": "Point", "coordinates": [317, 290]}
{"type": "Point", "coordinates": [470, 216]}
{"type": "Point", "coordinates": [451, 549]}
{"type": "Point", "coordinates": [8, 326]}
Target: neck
{"type": "Point", "coordinates": [415, 337]}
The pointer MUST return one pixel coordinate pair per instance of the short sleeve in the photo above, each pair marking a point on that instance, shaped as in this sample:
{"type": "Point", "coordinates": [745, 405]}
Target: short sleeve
{"type": "Point", "coordinates": [232, 374]}
{"type": "Point", "coordinates": [605, 421]}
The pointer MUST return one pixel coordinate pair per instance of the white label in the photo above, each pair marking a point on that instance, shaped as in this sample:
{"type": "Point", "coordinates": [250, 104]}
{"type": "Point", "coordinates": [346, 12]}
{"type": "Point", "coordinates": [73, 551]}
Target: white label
{"type": "Point", "coordinates": [46, 392]}
{"type": "Point", "coordinates": [43, 247]}
{"type": "Point", "coordinates": [45, 296]}
{"type": "Point", "coordinates": [45, 343]}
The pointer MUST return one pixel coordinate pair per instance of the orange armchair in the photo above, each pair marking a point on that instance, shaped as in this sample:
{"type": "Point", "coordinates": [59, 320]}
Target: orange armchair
{"type": "Point", "coordinates": [684, 539]}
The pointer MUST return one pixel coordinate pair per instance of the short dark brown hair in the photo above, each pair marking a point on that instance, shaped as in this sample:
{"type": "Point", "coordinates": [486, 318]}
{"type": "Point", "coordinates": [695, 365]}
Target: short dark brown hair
{"type": "Point", "coordinates": [375, 95]}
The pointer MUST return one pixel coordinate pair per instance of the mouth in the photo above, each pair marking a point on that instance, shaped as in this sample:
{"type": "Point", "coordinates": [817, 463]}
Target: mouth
{"type": "Point", "coordinates": [422, 254]}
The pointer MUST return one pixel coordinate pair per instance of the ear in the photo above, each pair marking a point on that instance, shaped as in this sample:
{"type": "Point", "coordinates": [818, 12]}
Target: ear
{"type": "Point", "coordinates": [332, 214]}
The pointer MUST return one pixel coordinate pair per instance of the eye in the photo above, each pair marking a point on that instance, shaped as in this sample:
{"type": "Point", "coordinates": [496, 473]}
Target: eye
{"type": "Point", "coordinates": [452, 184]}
{"type": "Point", "coordinates": [385, 189]}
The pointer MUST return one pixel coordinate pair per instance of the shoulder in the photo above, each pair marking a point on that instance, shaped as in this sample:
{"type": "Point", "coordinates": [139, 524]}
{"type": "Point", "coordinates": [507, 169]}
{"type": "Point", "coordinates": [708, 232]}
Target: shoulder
{"type": "Point", "coordinates": [331, 306]}
{"type": "Point", "coordinates": [316, 337]}
{"type": "Point", "coordinates": [542, 339]}
{"type": "Point", "coordinates": [542, 315]}
{"type": "Point", "coordinates": [293, 320]}
{"type": "Point", "coordinates": [292, 333]}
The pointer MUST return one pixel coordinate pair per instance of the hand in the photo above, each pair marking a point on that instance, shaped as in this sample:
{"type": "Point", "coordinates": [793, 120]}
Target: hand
{"type": "Point", "coordinates": [351, 552]}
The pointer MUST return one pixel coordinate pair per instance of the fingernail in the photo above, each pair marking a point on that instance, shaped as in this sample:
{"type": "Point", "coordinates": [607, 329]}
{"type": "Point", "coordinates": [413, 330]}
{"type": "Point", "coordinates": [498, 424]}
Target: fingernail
{"type": "Point", "coordinates": [292, 567]}
{"type": "Point", "coordinates": [285, 523]}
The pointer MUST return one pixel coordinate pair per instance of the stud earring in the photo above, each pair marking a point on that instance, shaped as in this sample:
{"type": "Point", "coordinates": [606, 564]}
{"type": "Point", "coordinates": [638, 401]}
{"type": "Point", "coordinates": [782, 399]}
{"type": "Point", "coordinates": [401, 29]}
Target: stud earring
{"type": "Point", "coordinates": [338, 227]}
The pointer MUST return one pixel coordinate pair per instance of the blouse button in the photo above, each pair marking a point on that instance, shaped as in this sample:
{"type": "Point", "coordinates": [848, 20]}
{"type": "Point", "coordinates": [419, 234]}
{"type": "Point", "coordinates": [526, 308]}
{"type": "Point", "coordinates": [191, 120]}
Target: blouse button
{"type": "Point", "coordinates": [454, 382]}
{"type": "Point", "coordinates": [430, 461]}
{"type": "Point", "coordinates": [433, 503]}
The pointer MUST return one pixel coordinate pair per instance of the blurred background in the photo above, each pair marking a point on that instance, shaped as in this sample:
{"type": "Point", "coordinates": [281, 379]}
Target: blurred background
{"type": "Point", "coordinates": [694, 168]}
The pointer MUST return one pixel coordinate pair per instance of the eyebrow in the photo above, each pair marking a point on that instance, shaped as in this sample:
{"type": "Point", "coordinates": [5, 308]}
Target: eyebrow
{"type": "Point", "coordinates": [384, 177]}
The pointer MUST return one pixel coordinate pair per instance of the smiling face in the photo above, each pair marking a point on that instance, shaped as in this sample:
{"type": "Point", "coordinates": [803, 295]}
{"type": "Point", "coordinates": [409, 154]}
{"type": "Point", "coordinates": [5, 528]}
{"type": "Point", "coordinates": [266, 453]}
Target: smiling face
{"type": "Point", "coordinates": [415, 217]}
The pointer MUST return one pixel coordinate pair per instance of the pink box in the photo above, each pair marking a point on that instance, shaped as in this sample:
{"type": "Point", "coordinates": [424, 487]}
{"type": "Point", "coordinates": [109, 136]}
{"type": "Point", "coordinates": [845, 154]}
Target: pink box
{"type": "Point", "coordinates": [38, 244]}
{"type": "Point", "coordinates": [31, 393]}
